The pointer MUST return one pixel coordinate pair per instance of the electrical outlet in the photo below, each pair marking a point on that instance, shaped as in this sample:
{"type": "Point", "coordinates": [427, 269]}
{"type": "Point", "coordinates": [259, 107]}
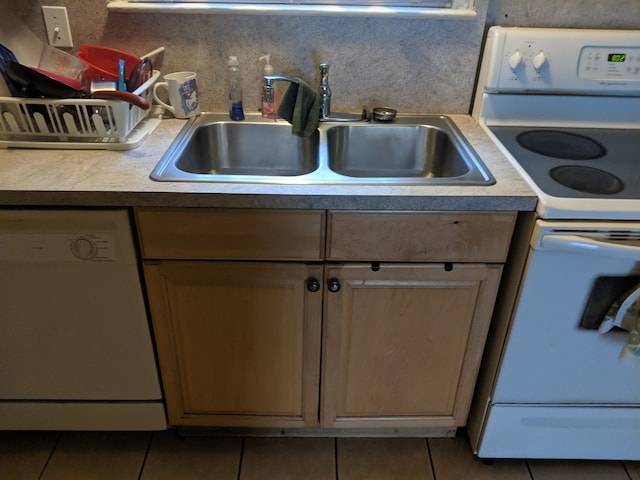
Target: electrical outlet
{"type": "Point", "coordinates": [57, 23]}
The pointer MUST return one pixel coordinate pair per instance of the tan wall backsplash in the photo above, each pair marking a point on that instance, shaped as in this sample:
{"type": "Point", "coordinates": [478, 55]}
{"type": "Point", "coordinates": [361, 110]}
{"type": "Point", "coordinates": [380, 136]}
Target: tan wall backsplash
{"type": "Point", "coordinates": [413, 65]}
{"type": "Point", "coordinates": [614, 14]}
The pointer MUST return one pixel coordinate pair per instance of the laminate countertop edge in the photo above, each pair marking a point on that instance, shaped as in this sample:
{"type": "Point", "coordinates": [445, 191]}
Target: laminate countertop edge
{"type": "Point", "coordinates": [102, 178]}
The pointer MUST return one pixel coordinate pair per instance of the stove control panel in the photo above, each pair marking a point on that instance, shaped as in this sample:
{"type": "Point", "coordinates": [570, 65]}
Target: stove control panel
{"type": "Point", "coordinates": [548, 60]}
{"type": "Point", "coordinates": [609, 63]}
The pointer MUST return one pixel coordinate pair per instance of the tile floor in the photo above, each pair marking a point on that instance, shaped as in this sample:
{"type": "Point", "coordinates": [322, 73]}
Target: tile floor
{"type": "Point", "coordinates": [165, 455]}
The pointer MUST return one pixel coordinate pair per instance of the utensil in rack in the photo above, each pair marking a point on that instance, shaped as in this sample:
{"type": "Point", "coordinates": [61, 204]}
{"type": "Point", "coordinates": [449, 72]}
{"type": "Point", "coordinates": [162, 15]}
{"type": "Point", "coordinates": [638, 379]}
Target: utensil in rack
{"type": "Point", "coordinates": [152, 54]}
{"type": "Point", "coordinates": [122, 86]}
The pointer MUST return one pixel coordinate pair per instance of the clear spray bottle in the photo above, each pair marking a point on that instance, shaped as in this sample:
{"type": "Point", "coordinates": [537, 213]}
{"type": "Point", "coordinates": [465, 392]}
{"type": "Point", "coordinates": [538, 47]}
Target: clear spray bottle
{"type": "Point", "coordinates": [235, 89]}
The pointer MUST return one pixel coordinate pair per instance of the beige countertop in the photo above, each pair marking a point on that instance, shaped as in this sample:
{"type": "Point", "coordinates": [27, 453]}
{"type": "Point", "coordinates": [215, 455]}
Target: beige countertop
{"type": "Point", "coordinates": [40, 177]}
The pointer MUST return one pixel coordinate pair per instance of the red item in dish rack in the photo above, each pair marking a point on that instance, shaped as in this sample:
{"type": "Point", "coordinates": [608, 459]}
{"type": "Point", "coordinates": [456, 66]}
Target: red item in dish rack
{"type": "Point", "coordinates": [103, 62]}
{"type": "Point", "coordinates": [70, 82]}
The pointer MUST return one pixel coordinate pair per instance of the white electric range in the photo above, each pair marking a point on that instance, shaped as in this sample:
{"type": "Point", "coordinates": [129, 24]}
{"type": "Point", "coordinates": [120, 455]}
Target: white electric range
{"type": "Point", "coordinates": [564, 106]}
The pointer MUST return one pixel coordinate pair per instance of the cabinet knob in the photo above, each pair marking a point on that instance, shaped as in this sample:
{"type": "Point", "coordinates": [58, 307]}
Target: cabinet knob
{"type": "Point", "coordinates": [313, 285]}
{"type": "Point", "coordinates": [333, 285]}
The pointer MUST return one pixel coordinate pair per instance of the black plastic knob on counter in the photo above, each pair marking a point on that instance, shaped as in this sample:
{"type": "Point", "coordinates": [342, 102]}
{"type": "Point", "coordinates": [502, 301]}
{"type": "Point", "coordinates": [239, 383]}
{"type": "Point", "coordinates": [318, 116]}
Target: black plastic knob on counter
{"type": "Point", "coordinates": [313, 285]}
{"type": "Point", "coordinates": [333, 285]}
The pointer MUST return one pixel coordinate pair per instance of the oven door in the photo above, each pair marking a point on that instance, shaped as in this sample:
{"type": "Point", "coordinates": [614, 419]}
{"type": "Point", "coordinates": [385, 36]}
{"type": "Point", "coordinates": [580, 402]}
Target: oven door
{"type": "Point", "coordinates": [551, 356]}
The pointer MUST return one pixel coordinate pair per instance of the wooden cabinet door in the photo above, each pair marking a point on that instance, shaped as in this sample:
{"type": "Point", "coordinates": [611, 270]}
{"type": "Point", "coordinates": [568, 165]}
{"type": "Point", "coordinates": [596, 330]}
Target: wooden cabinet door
{"type": "Point", "coordinates": [402, 344]}
{"type": "Point", "coordinates": [238, 342]}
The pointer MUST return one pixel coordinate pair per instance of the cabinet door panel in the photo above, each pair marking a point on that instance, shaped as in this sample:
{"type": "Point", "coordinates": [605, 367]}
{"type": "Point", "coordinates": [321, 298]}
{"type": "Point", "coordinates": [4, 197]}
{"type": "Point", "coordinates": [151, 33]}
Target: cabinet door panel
{"type": "Point", "coordinates": [402, 343]}
{"type": "Point", "coordinates": [238, 342]}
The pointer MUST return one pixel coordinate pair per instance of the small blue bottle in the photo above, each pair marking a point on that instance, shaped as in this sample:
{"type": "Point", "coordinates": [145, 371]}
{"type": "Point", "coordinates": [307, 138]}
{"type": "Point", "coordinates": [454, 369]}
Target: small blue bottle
{"type": "Point", "coordinates": [235, 89]}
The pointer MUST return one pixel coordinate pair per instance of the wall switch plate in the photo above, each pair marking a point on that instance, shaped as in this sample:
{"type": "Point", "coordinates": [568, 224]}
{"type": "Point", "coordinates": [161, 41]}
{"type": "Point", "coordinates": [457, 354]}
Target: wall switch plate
{"type": "Point", "coordinates": [57, 23]}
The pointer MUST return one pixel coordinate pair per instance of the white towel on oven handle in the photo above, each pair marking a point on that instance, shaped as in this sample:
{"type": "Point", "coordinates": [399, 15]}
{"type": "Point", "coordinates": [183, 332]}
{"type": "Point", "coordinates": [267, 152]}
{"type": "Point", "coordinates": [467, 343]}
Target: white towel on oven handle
{"type": "Point", "coordinates": [624, 313]}
{"type": "Point", "coordinates": [631, 351]}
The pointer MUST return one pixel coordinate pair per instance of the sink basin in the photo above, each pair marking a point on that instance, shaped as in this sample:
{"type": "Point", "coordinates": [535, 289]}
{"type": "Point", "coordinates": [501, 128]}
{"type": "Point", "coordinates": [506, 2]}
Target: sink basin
{"type": "Point", "coordinates": [394, 151]}
{"type": "Point", "coordinates": [230, 148]}
{"type": "Point", "coordinates": [414, 150]}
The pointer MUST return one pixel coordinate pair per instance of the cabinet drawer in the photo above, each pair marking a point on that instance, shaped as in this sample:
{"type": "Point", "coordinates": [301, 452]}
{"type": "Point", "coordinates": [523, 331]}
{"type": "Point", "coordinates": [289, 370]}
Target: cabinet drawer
{"type": "Point", "coordinates": [208, 233]}
{"type": "Point", "coordinates": [419, 236]}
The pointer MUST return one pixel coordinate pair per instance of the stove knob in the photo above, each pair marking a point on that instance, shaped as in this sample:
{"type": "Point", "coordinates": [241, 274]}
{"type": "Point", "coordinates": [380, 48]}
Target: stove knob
{"type": "Point", "coordinates": [539, 61]}
{"type": "Point", "coordinates": [515, 60]}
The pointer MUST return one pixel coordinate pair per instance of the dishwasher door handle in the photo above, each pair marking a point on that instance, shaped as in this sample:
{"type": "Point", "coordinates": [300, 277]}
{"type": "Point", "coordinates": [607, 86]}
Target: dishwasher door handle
{"type": "Point", "coordinates": [588, 246]}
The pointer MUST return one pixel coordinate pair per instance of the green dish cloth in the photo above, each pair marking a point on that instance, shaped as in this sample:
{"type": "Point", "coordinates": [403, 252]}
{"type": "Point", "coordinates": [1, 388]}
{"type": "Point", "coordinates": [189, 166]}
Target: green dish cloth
{"type": "Point", "coordinates": [300, 106]}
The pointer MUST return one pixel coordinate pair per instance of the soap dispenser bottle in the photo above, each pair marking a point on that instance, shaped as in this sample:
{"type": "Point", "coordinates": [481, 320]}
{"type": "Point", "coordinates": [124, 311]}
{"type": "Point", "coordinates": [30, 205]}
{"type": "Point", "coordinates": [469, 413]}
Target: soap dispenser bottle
{"type": "Point", "coordinates": [270, 96]}
{"type": "Point", "coordinates": [235, 89]}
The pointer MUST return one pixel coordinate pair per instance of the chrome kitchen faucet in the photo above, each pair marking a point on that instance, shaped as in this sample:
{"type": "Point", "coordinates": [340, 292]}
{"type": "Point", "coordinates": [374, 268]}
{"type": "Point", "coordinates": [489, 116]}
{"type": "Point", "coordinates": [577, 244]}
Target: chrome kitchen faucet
{"type": "Point", "coordinates": [324, 91]}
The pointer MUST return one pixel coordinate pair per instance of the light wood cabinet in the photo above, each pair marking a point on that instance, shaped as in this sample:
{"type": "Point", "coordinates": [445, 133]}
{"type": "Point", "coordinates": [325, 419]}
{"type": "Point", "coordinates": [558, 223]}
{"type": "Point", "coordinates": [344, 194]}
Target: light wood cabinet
{"type": "Point", "coordinates": [231, 234]}
{"type": "Point", "coordinates": [238, 342]}
{"type": "Point", "coordinates": [302, 318]}
{"type": "Point", "coordinates": [419, 236]}
{"type": "Point", "coordinates": [403, 342]}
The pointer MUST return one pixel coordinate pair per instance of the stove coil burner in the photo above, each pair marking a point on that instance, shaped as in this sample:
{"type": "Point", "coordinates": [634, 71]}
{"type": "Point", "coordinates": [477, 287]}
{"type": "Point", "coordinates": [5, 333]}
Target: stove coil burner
{"type": "Point", "coordinates": [564, 145]}
{"type": "Point", "coordinates": [587, 179]}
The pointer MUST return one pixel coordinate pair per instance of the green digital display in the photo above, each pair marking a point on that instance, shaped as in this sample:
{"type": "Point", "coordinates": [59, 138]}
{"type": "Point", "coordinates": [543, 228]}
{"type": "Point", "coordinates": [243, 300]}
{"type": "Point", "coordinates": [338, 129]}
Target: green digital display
{"type": "Point", "coordinates": [617, 57]}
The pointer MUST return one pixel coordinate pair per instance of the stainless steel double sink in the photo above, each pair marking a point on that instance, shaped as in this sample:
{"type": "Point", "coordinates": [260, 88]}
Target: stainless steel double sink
{"type": "Point", "coordinates": [413, 150]}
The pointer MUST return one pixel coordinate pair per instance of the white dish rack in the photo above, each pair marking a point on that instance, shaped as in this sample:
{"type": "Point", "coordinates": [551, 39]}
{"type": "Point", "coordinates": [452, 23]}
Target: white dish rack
{"type": "Point", "coordinates": [76, 123]}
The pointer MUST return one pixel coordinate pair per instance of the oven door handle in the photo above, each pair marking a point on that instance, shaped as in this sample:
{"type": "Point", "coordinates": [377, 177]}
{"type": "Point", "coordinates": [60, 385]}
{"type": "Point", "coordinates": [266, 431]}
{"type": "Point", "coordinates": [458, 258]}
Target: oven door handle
{"type": "Point", "coordinates": [589, 246]}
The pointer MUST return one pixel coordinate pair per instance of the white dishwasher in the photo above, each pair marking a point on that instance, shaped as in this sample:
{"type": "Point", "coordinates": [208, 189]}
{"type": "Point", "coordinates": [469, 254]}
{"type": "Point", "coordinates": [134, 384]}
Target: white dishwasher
{"type": "Point", "coordinates": [75, 343]}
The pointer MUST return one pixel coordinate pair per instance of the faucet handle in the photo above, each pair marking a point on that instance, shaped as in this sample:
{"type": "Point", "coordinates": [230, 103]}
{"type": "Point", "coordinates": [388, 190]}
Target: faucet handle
{"type": "Point", "coordinates": [324, 75]}
{"type": "Point", "coordinates": [324, 91]}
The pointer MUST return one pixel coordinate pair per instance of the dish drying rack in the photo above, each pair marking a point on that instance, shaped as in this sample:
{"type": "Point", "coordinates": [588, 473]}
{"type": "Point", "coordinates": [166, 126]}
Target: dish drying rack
{"type": "Point", "coordinates": [76, 123]}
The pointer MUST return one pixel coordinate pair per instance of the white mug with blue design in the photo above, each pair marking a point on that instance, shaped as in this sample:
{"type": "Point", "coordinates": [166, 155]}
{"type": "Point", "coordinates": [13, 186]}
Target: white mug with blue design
{"type": "Point", "coordinates": [183, 94]}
